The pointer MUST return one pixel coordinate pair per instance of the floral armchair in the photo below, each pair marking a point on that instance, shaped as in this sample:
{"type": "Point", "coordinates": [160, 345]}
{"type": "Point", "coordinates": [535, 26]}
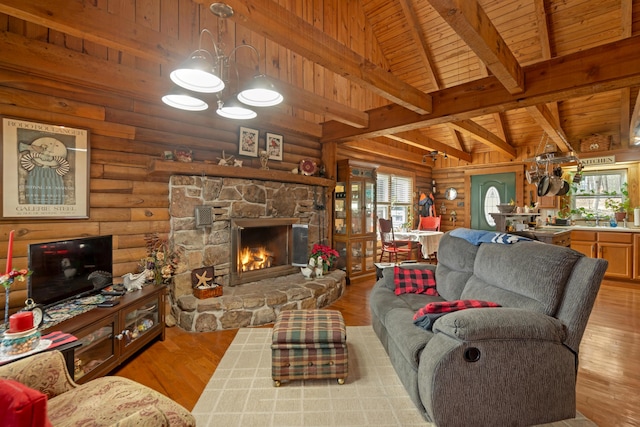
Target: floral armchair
{"type": "Point", "coordinates": [106, 401]}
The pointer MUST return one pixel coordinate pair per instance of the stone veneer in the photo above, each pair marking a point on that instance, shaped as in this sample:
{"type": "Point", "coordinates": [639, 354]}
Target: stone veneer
{"type": "Point", "coordinates": [258, 303]}
{"type": "Point", "coordinates": [211, 246]}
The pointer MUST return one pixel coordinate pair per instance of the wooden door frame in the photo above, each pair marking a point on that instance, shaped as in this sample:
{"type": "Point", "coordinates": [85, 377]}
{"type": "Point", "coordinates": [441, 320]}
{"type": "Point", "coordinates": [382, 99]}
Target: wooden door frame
{"type": "Point", "coordinates": [517, 169]}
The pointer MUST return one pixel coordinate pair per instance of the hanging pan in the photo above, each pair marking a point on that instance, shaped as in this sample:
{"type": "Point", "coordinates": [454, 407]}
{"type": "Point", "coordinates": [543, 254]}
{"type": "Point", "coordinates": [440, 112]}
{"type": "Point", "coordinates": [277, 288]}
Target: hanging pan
{"type": "Point", "coordinates": [543, 186]}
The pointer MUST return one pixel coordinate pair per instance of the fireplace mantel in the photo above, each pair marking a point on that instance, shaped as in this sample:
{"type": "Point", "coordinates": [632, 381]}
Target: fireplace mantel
{"type": "Point", "coordinates": [166, 168]}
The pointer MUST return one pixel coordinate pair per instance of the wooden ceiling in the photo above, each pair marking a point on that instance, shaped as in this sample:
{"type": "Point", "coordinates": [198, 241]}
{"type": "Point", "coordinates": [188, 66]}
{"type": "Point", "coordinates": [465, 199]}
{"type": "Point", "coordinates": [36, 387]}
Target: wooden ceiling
{"type": "Point", "coordinates": [396, 78]}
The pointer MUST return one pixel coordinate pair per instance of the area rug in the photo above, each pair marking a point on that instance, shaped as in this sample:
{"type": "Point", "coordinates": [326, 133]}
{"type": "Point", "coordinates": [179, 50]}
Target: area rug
{"type": "Point", "coordinates": [241, 392]}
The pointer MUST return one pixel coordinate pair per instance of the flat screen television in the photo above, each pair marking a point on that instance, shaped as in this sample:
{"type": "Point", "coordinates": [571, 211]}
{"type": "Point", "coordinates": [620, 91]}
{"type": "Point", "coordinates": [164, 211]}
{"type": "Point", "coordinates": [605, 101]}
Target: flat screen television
{"type": "Point", "coordinates": [68, 269]}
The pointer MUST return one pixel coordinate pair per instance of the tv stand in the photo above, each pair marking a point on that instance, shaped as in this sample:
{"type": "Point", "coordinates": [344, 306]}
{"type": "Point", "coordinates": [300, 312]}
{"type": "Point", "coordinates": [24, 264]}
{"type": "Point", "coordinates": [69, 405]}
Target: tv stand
{"type": "Point", "coordinates": [110, 336]}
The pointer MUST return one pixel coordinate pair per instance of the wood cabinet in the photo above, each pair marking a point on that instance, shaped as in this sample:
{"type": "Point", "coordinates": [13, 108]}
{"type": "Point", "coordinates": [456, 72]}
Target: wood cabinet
{"type": "Point", "coordinates": [636, 256]}
{"type": "Point", "coordinates": [615, 247]}
{"type": "Point", "coordinates": [548, 202]}
{"type": "Point", "coordinates": [354, 216]}
{"type": "Point", "coordinates": [109, 336]}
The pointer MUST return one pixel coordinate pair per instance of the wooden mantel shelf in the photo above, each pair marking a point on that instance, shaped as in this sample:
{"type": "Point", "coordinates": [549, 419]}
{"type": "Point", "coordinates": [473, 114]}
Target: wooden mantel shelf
{"type": "Point", "coordinates": [167, 168]}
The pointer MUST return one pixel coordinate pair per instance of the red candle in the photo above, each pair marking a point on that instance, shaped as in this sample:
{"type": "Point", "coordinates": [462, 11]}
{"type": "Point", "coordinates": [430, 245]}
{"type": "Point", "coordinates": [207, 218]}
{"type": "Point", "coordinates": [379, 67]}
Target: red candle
{"type": "Point", "coordinates": [20, 322]}
{"type": "Point", "coordinates": [10, 251]}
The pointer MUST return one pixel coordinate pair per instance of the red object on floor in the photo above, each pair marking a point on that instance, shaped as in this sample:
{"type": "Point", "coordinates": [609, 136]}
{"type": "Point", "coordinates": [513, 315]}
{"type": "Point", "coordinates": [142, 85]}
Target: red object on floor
{"type": "Point", "coordinates": [21, 406]}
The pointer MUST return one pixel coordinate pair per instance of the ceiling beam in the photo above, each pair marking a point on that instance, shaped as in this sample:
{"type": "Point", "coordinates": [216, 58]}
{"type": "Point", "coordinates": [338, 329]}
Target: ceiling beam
{"type": "Point", "coordinates": [384, 150]}
{"type": "Point", "coordinates": [599, 69]}
{"type": "Point", "coordinates": [417, 139]}
{"type": "Point", "coordinates": [483, 135]}
{"type": "Point", "coordinates": [546, 120]}
{"type": "Point", "coordinates": [472, 24]}
{"type": "Point", "coordinates": [420, 42]}
{"type": "Point", "coordinates": [626, 24]}
{"type": "Point", "coordinates": [80, 19]}
{"type": "Point", "coordinates": [274, 22]}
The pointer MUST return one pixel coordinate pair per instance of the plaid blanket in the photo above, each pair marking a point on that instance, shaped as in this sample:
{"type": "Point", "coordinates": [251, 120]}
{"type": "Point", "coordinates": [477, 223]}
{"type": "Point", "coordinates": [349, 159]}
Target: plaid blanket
{"type": "Point", "coordinates": [412, 280]}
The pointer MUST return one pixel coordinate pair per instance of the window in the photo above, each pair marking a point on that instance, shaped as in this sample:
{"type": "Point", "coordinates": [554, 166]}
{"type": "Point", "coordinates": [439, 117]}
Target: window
{"type": "Point", "coordinates": [394, 198]}
{"type": "Point", "coordinates": [491, 202]}
{"type": "Point", "coordinates": [595, 188]}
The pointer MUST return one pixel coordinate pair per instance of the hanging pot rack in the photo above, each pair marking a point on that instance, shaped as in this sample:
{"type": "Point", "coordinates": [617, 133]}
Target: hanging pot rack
{"type": "Point", "coordinates": [550, 182]}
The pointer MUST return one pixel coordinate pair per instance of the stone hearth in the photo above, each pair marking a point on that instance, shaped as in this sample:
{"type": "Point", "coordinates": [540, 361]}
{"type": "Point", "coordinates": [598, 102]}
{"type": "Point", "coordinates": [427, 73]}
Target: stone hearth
{"type": "Point", "coordinates": [258, 303]}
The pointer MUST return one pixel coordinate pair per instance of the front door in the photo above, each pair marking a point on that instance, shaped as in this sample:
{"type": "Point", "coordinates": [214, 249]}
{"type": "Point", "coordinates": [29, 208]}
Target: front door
{"type": "Point", "coordinates": [487, 191]}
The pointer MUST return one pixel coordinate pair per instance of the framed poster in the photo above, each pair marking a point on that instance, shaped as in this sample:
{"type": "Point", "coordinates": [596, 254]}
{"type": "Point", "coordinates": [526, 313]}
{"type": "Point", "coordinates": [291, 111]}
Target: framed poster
{"type": "Point", "coordinates": [274, 146]}
{"type": "Point", "coordinates": [248, 144]}
{"type": "Point", "coordinates": [45, 170]}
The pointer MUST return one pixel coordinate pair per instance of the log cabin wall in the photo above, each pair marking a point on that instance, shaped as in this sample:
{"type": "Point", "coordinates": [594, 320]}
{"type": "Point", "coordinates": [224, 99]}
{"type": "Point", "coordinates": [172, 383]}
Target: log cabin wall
{"type": "Point", "coordinates": [68, 78]}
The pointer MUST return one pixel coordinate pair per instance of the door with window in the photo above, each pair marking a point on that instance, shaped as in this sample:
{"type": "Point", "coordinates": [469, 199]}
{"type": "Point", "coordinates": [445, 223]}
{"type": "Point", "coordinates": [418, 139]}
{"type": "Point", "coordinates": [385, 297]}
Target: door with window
{"type": "Point", "coordinates": [488, 191]}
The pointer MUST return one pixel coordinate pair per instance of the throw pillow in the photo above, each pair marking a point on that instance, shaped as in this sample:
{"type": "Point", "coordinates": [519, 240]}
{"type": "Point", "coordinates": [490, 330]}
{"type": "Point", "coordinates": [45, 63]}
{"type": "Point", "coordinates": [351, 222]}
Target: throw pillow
{"type": "Point", "coordinates": [413, 280]}
{"type": "Point", "coordinates": [21, 405]}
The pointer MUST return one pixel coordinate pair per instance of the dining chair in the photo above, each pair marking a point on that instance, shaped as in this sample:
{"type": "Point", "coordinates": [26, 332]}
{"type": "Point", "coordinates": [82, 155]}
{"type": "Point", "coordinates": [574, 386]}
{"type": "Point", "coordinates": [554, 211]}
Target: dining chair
{"type": "Point", "coordinates": [430, 223]}
{"type": "Point", "coordinates": [390, 245]}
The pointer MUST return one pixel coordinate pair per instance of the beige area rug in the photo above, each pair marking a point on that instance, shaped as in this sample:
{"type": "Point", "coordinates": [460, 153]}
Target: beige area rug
{"type": "Point", "coordinates": [241, 392]}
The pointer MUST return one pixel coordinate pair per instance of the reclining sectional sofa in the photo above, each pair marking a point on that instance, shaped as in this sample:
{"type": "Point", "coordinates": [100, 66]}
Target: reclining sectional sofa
{"type": "Point", "coordinates": [512, 365]}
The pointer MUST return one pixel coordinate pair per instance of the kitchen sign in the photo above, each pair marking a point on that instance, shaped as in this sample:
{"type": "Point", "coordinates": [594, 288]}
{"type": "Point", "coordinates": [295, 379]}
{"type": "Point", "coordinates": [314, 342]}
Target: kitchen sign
{"type": "Point", "coordinates": [599, 161]}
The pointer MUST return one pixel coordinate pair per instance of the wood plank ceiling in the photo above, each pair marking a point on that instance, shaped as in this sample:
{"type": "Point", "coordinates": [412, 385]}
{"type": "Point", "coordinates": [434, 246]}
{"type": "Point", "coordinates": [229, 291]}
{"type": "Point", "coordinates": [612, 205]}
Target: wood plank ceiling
{"type": "Point", "coordinates": [463, 77]}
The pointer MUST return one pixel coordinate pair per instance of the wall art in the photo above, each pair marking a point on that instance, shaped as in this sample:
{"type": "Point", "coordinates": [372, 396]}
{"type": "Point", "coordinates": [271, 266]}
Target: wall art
{"type": "Point", "coordinates": [274, 146]}
{"type": "Point", "coordinates": [248, 144]}
{"type": "Point", "coordinates": [45, 170]}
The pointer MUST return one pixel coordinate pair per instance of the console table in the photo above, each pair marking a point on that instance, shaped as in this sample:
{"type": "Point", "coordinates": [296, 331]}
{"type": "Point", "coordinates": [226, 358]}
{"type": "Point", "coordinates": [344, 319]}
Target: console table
{"type": "Point", "coordinates": [109, 336]}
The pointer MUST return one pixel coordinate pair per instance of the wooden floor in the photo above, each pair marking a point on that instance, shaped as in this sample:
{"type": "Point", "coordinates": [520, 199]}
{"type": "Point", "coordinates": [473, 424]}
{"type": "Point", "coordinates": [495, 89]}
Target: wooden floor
{"type": "Point", "coordinates": [608, 377]}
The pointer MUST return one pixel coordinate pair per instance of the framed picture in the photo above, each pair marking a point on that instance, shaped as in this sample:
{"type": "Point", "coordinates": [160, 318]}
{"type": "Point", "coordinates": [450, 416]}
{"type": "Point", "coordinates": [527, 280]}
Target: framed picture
{"type": "Point", "coordinates": [274, 146]}
{"type": "Point", "coordinates": [45, 170]}
{"type": "Point", "coordinates": [248, 144]}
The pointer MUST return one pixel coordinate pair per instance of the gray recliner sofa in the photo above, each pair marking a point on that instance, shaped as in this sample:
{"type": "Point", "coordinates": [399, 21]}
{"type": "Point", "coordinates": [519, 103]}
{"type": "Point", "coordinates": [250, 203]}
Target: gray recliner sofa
{"type": "Point", "coordinates": [512, 365]}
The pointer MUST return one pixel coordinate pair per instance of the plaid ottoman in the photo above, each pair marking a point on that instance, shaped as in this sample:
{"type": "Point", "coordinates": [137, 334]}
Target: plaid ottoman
{"type": "Point", "coordinates": [309, 344]}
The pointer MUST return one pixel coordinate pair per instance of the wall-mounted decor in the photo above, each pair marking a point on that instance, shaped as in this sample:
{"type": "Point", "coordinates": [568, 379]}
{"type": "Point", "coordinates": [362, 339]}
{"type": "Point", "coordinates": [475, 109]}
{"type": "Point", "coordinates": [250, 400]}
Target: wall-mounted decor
{"type": "Point", "coordinates": [274, 146]}
{"type": "Point", "coordinates": [45, 170]}
{"type": "Point", "coordinates": [248, 144]}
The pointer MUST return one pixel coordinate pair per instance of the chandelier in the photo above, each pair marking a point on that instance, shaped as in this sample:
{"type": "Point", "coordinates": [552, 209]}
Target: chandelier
{"type": "Point", "coordinates": [206, 72]}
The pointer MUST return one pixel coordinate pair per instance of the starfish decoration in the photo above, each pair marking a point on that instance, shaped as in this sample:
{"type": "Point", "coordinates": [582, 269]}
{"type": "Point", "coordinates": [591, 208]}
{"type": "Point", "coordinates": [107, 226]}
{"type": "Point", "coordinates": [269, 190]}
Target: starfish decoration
{"type": "Point", "coordinates": [203, 279]}
{"type": "Point", "coordinates": [225, 160]}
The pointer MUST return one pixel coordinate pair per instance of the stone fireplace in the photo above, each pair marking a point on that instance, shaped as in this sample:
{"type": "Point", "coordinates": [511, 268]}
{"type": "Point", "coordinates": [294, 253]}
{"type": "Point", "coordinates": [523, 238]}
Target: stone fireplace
{"type": "Point", "coordinates": [254, 211]}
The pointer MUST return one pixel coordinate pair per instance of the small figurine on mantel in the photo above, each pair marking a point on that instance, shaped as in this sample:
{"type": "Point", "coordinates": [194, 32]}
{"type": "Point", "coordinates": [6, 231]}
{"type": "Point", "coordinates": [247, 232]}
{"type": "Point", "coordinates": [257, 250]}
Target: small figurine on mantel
{"type": "Point", "coordinates": [264, 158]}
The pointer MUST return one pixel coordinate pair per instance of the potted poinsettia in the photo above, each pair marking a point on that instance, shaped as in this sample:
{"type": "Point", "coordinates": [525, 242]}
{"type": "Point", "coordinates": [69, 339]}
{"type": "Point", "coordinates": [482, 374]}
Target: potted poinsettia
{"type": "Point", "coordinates": [326, 253]}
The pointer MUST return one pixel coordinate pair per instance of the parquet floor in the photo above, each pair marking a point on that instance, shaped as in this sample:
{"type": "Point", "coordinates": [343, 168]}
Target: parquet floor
{"type": "Point", "coordinates": [608, 378]}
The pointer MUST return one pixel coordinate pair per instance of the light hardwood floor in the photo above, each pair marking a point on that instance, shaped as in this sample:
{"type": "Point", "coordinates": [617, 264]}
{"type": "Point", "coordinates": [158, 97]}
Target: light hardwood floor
{"type": "Point", "coordinates": [608, 377]}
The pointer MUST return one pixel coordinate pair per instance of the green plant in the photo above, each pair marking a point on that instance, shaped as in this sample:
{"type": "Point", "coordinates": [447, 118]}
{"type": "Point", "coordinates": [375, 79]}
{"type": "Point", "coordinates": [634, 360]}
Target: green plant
{"type": "Point", "coordinates": [616, 205]}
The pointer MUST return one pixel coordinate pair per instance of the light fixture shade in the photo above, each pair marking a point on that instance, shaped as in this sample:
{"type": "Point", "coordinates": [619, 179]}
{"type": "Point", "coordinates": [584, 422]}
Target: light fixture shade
{"type": "Point", "coordinates": [197, 74]}
{"type": "Point", "coordinates": [232, 109]}
{"type": "Point", "coordinates": [260, 92]}
{"type": "Point", "coordinates": [180, 98]}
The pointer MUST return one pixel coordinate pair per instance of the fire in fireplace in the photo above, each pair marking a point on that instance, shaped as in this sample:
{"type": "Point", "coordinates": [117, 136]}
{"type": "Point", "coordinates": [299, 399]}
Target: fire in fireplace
{"type": "Point", "coordinates": [263, 248]}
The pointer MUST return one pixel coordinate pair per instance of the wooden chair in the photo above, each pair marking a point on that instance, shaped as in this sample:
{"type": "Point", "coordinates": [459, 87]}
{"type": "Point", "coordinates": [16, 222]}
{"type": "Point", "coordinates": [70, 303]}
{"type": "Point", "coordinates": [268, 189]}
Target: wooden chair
{"type": "Point", "coordinates": [389, 243]}
{"type": "Point", "coordinates": [430, 223]}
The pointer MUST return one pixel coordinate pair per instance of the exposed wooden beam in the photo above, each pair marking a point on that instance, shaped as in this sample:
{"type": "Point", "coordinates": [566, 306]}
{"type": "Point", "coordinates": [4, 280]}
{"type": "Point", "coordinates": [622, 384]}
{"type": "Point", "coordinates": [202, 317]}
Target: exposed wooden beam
{"type": "Point", "coordinates": [384, 150]}
{"type": "Point", "coordinates": [417, 139]}
{"type": "Point", "coordinates": [626, 15]}
{"type": "Point", "coordinates": [545, 119]}
{"type": "Point", "coordinates": [276, 23]}
{"type": "Point", "coordinates": [481, 134]}
{"type": "Point", "coordinates": [634, 128]}
{"type": "Point", "coordinates": [471, 23]}
{"type": "Point", "coordinates": [80, 19]}
{"type": "Point", "coordinates": [599, 69]}
{"type": "Point", "coordinates": [420, 42]}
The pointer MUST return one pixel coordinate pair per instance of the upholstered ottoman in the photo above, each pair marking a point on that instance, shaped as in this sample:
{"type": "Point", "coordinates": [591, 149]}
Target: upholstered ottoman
{"type": "Point", "coordinates": [309, 344]}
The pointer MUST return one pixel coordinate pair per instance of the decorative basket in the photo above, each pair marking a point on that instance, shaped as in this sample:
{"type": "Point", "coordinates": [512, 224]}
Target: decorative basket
{"type": "Point", "coordinates": [595, 142]}
{"type": "Point", "coordinates": [204, 293]}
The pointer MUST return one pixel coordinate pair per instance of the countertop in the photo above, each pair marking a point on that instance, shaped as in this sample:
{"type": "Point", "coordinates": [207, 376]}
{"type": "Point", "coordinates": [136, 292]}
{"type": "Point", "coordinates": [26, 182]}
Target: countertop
{"type": "Point", "coordinates": [561, 228]}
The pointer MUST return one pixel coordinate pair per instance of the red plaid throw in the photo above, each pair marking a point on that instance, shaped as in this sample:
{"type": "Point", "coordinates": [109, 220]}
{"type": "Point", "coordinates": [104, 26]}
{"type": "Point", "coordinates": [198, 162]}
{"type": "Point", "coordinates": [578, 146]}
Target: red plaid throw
{"type": "Point", "coordinates": [411, 280]}
{"type": "Point", "coordinates": [449, 306]}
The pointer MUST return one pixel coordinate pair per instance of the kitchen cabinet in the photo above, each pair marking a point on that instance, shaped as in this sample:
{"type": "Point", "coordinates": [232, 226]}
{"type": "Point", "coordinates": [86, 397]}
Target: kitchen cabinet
{"type": "Point", "coordinates": [109, 336]}
{"type": "Point", "coordinates": [636, 256]}
{"type": "Point", "coordinates": [354, 227]}
{"type": "Point", "coordinates": [615, 247]}
{"type": "Point", "coordinates": [548, 202]}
